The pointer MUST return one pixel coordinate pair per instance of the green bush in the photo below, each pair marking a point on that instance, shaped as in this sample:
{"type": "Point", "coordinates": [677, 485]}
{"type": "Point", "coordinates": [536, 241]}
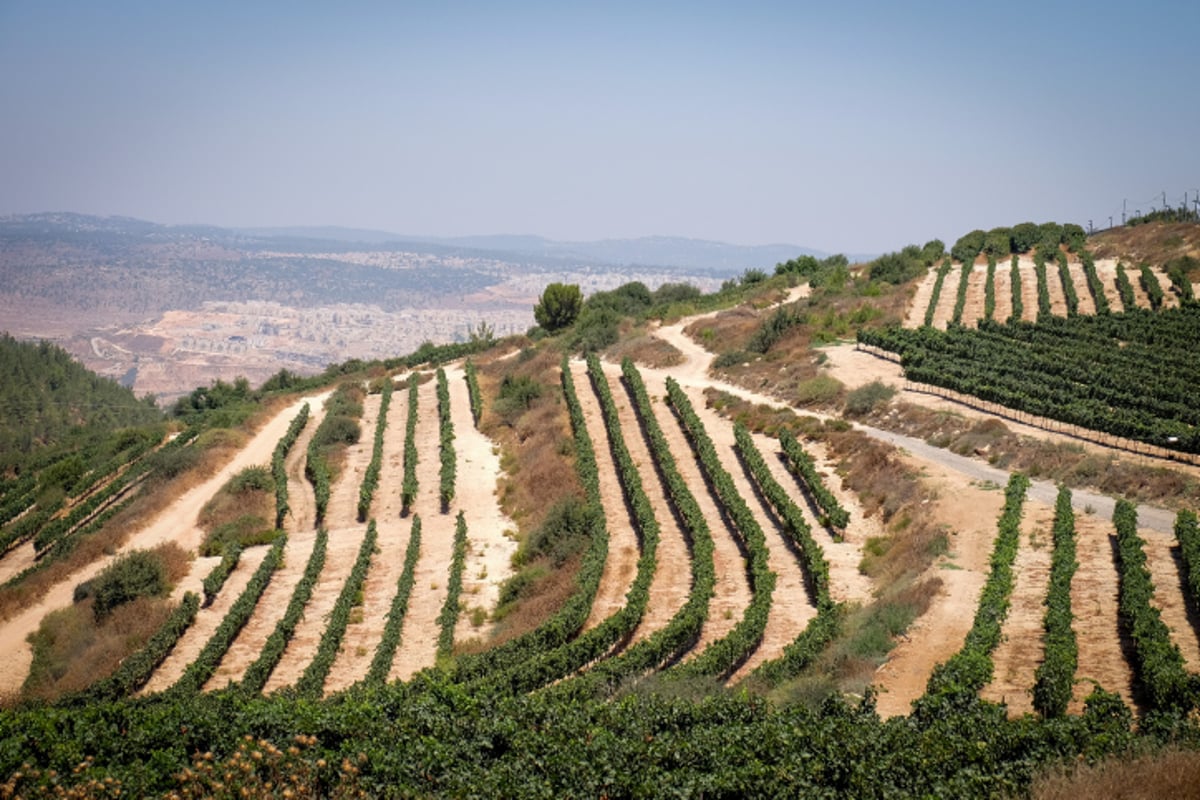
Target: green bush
{"type": "Point", "coordinates": [139, 573]}
{"type": "Point", "coordinates": [866, 399]}
{"type": "Point", "coordinates": [558, 307]}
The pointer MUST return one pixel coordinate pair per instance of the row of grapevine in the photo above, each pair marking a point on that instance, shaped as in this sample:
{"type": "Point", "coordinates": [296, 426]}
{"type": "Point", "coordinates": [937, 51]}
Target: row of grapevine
{"type": "Point", "coordinates": [257, 674]}
{"type": "Point", "coordinates": [338, 408]}
{"type": "Point", "coordinates": [1125, 374]}
{"type": "Point", "coordinates": [389, 641]}
{"type": "Point", "coordinates": [989, 289]}
{"type": "Point", "coordinates": [1043, 287]}
{"type": "Point", "coordinates": [66, 545]}
{"type": "Point", "coordinates": [136, 669]}
{"type": "Point", "coordinates": [822, 628]}
{"type": "Point", "coordinates": [970, 669]}
{"type": "Point", "coordinates": [557, 663]}
{"type": "Point", "coordinates": [1151, 286]}
{"type": "Point", "coordinates": [1068, 284]}
{"type": "Point", "coordinates": [1095, 285]}
{"type": "Point", "coordinates": [960, 300]}
{"type": "Point", "coordinates": [409, 486]}
{"type": "Point", "coordinates": [370, 481]}
{"type": "Point", "coordinates": [684, 628]}
{"type": "Point", "coordinates": [801, 463]}
{"type": "Point", "coordinates": [17, 498]}
{"type": "Point", "coordinates": [1158, 664]}
{"type": "Point", "coordinates": [1187, 533]}
{"type": "Point", "coordinates": [448, 617]}
{"type": "Point", "coordinates": [1182, 284]}
{"type": "Point", "coordinates": [1018, 301]}
{"type": "Point", "coordinates": [725, 655]}
{"type": "Point", "coordinates": [1055, 678]}
{"type": "Point", "coordinates": [445, 442]}
{"type": "Point", "coordinates": [1125, 288]}
{"type": "Point", "coordinates": [472, 379]}
{"type": "Point", "coordinates": [572, 614]}
{"type": "Point", "coordinates": [279, 466]}
{"type": "Point", "coordinates": [201, 669]}
{"type": "Point", "coordinates": [214, 580]}
{"type": "Point", "coordinates": [313, 680]}
{"type": "Point", "coordinates": [942, 272]}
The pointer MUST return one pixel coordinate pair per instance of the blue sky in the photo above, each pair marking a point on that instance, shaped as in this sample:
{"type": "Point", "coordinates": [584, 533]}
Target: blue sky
{"type": "Point", "coordinates": [856, 126]}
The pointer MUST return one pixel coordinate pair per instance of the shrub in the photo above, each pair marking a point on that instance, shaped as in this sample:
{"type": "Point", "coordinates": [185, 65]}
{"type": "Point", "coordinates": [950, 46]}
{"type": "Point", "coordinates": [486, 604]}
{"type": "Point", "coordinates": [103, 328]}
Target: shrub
{"type": "Point", "coordinates": [558, 306]}
{"type": "Point", "coordinates": [139, 573]}
{"type": "Point", "coordinates": [866, 399]}
{"type": "Point", "coordinates": [821, 390]}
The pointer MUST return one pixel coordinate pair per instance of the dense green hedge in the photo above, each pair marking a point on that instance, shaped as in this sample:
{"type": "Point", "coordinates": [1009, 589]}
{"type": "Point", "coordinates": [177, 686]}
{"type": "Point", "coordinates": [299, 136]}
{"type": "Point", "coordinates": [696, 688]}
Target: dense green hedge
{"type": "Point", "coordinates": [472, 379]}
{"type": "Point", "coordinates": [408, 489]}
{"type": "Point", "coordinates": [279, 464]}
{"type": "Point", "coordinates": [448, 617]}
{"type": "Point", "coordinates": [389, 641]}
{"type": "Point", "coordinates": [1095, 285]}
{"type": "Point", "coordinates": [989, 289]}
{"type": "Point", "coordinates": [970, 669]}
{"type": "Point", "coordinates": [801, 463]}
{"type": "Point", "coordinates": [1068, 284]}
{"type": "Point", "coordinates": [312, 682]}
{"type": "Point", "coordinates": [1187, 532]}
{"type": "Point", "coordinates": [1018, 302]}
{"type": "Point", "coordinates": [449, 462]}
{"type": "Point", "coordinates": [1055, 678]}
{"type": "Point", "coordinates": [1043, 286]}
{"type": "Point", "coordinates": [1151, 286]}
{"type": "Point", "coordinates": [199, 671]}
{"type": "Point", "coordinates": [214, 580]}
{"type": "Point", "coordinates": [825, 625]}
{"type": "Point", "coordinates": [1158, 664]}
{"type": "Point", "coordinates": [723, 657]}
{"type": "Point", "coordinates": [370, 481]}
{"type": "Point", "coordinates": [259, 672]}
{"type": "Point", "coordinates": [1125, 288]}
{"type": "Point", "coordinates": [942, 272]}
{"type": "Point", "coordinates": [960, 299]}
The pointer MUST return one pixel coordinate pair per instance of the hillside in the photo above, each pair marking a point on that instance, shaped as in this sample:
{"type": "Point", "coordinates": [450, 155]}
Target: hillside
{"type": "Point", "coordinates": [723, 543]}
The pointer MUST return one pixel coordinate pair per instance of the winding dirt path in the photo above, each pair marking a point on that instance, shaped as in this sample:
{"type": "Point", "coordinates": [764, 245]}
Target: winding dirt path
{"type": "Point", "coordinates": [175, 523]}
{"type": "Point", "coordinates": [207, 620]}
{"type": "Point", "coordinates": [623, 548]}
{"type": "Point", "coordinates": [419, 648]}
{"type": "Point", "coordinates": [1094, 601]}
{"type": "Point", "coordinates": [1021, 650]}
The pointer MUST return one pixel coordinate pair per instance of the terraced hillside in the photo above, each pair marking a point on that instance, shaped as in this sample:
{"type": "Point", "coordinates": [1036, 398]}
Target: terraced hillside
{"type": "Point", "coordinates": [712, 535]}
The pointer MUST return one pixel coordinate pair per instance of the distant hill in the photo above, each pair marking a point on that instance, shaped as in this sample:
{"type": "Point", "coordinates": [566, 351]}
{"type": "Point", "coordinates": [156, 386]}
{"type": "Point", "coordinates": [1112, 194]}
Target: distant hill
{"type": "Point", "coordinates": [46, 396]}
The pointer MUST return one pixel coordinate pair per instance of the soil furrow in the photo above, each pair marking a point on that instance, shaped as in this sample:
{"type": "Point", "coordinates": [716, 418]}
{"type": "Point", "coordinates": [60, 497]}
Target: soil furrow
{"type": "Point", "coordinates": [1094, 601]}
{"type": "Point", "coordinates": [1164, 561]}
{"type": "Point", "coordinates": [1021, 650]}
{"type": "Point", "coordinates": [945, 307]}
{"type": "Point", "coordinates": [207, 620]}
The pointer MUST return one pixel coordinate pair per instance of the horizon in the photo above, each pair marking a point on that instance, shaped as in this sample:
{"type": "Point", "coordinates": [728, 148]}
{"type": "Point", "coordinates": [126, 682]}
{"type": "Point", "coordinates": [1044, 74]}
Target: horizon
{"type": "Point", "coordinates": [758, 126]}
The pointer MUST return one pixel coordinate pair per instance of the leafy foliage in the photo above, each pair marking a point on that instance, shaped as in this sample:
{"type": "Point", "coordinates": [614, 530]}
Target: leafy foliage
{"type": "Point", "coordinates": [370, 481]}
{"type": "Point", "coordinates": [338, 428]}
{"type": "Point", "coordinates": [1018, 302]}
{"type": "Point", "coordinates": [960, 300]}
{"type": "Point", "coordinates": [1068, 284]}
{"type": "Point", "coordinates": [449, 461]}
{"type": "Point", "coordinates": [448, 617]}
{"type": "Point", "coordinates": [1095, 285]}
{"type": "Point", "coordinates": [472, 379]}
{"type": "Point", "coordinates": [1158, 664]}
{"type": "Point", "coordinates": [1151, 286]}
{"type": "Point", "coordinates": [313, 680]}
{"type": "Point", "coordinates": [942, 272]}
{"type": "Point", "coordinates": [389, 641]}
{"type": "Point", "coordinates": [214, 580]}
{"type": "Point", "coordinates": [1125, 289]}
{"type": "Point", "coordinates": [1055, 677]}
{"type": "Point", "coordinates": [558, 306]}
{"type": "Point", "coordinates": [409, 485]}
{"type": "Point", "coordinates": [989, 289]}
{"type": "Point", "coordinates": [257, 673]}
{"type": "Point", "coordinates": [139, 573]}
{"type": "Point", "coordinates": [279, 466]}
{"type": "Point", "coordinates": [805, 468]}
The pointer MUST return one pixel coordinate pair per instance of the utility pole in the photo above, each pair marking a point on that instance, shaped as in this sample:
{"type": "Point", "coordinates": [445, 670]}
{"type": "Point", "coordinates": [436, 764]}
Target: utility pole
{"type": "Point", "coordinates": [1164, 201]}
{"type": "Point", "coordinates": [1110, 221]}
{"type": "Point", "coordinates": [1091, 230]}
{"type": "Point", "coordinates": [1123, 204]}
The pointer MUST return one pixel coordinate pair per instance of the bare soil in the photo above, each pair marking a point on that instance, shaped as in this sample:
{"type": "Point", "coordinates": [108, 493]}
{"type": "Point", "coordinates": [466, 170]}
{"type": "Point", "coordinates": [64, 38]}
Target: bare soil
{"type": "Point", "coordinates": [916, 311]}
{"type": "Point", "coordinates": [1003, 290]}
{"type": "Point", "coordinates": [1094, 601]}
{"type": "Point", "coordinates": [1021, 650]}
{"type": "Point", "coordinates": [207, 620]}
{"type": "Point", "coordinates": [419, 648]}
{"type": "Point", "coordinates": [623, 549]}
{"type": "Point", "coordinates": [1165, 563]}
{"type": "Point", "coordinates": [945, 307]}
{"type": "Point", "coordinates": [969, 512]}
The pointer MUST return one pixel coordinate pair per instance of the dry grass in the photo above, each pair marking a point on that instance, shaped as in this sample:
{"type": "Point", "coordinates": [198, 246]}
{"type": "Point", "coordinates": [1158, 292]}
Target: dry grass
{"type": "Point", "coordinates": [537, 455]}
{"type": "Point", "coordinates": [1170, 774]}
{"type": "Point", "coordinates": [644, 350]}
{"type": "Point", "coordinates": [1154, 243]}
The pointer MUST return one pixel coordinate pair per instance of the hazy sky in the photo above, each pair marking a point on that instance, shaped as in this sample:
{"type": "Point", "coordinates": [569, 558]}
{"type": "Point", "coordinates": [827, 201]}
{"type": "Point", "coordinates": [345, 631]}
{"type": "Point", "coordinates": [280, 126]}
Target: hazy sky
{"type": "Point", "coordinates": [854, 126]}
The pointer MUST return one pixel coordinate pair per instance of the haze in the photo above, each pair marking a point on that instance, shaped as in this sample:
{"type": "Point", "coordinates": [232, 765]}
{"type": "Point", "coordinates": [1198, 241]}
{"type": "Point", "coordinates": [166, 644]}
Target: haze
{"type": "Point", "coordinates": [858, 128]}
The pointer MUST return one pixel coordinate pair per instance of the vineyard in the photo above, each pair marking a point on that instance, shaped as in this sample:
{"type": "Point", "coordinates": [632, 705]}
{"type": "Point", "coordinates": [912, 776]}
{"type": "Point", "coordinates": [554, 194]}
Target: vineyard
{"type": "Point", "coordinates": [356, 640]}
